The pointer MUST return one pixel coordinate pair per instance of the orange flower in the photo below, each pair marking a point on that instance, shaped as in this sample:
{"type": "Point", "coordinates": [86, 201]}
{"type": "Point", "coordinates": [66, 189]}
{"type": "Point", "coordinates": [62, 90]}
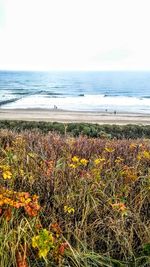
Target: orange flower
{"type": "Point", "coordinates": [21, 259]}
{"type": "Point", "coordinates": [56, 228]}
{"type": "Point", "coordinates": [7, 214]}
{"type": "Point", "coordinates": [119, 206]}
{"type": "Point", "coordinates": [62, 248]}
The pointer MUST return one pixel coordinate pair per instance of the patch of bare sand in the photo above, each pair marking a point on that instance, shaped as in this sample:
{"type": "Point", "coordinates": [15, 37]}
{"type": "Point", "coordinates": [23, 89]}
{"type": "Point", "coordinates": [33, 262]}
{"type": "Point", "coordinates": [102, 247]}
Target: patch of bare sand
{"type": "Point", "coordinates": [73, 116]}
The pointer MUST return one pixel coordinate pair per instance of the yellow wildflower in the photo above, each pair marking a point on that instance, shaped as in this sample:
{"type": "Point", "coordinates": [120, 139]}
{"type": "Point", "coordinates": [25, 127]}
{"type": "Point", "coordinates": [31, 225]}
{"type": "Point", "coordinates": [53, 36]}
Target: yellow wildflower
{"type": "Point", "coordinates": [35, 240]}
{"type": "Point", "coordinates": [7, 175]}
{"type": "Point", "coordinates": [139, 157]}
{"type": "Point", "coordinates": [72, 166]}
{"type": "Point", "coordinates": [146, 154]}
{"type": "Point", "coordinates": [43, 252]}
{"type": "Point", "coordinates": [84, 162]}
{"type": "Point", "coordinates": [5, 167]}
{"type": "Point", "coordinates": [97, 161]}
{"type": "Point", "coordinates": [109, 149]}
{"type": "Point", "coordinates": [68, 209]}
{"type": "Point", "coordinates": [75, 159]}
{"type": "Point", "coordinates": [43, 242]}
{"type": "Point", "coordinates": [27, 201]}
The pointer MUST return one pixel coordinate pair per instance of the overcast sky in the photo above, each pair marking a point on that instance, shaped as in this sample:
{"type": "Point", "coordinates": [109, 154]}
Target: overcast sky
{"type": "Point", "coordinates": [75, 34]}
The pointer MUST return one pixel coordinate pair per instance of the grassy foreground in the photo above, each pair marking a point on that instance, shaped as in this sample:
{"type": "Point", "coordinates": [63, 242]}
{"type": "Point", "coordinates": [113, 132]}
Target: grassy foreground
{"type": "Point", "coordinates": [73, 201]}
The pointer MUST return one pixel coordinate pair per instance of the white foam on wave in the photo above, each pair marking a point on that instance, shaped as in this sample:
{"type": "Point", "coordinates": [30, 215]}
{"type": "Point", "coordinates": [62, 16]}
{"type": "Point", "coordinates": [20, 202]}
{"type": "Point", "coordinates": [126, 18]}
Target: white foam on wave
{"type": "Point", "coordinates": [5, 95]}
{"type": "Point", "coordinates": [86, 103]}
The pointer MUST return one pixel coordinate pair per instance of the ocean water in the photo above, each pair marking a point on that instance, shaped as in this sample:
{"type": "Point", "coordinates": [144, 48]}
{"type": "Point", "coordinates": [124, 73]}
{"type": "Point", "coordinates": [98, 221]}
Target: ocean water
{"type": "Point", "coordinates": [83, 91]}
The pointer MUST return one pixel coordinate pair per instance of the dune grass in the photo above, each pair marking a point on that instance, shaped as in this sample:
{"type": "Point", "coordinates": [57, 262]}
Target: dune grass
{"type": "Point", "coordinates": [73, 201]}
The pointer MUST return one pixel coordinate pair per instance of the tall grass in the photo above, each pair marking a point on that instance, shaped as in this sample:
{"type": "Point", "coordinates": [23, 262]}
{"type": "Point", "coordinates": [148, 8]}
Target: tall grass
{"type": "Point", "coordinates": [94, 197]}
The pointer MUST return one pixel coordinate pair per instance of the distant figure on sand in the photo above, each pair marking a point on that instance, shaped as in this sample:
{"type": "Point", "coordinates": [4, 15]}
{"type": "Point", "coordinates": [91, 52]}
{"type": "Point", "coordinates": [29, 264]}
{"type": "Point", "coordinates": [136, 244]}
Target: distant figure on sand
{"type": "Point", "coordinates": [115, 112]}
{"type": "Point", "coordinates": [55, 107]}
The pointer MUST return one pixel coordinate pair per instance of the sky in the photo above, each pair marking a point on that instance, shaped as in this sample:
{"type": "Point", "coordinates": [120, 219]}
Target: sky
{"type": "Point", "coordinates": [74, 35]}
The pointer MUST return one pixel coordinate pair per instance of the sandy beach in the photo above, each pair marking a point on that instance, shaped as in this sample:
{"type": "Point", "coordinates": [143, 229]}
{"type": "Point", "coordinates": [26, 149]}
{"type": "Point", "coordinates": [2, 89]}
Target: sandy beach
{"type": "Point", "coordinates": [74, 116]}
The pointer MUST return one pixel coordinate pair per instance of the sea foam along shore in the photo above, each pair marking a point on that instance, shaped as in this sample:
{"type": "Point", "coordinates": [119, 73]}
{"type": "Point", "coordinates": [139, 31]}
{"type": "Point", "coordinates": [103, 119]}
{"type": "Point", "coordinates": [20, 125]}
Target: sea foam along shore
{"type": "Point", "coordinates": [74, 116]}
{"type": "Point", "coordinates": [96, 103]}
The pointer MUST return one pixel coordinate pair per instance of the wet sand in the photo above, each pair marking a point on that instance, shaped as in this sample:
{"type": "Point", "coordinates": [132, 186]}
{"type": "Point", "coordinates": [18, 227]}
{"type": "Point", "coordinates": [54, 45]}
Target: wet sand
{"type": "Point", "coordinates": [74, 116]}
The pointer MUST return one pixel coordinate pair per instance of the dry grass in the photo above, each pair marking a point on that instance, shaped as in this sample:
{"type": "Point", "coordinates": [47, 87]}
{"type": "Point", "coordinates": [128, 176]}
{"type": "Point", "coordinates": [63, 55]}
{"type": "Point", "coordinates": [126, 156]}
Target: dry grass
{"type": "Point", "coordinates": [95, 191]}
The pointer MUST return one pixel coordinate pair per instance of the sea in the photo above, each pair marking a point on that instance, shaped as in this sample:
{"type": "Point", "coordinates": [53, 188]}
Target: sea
{"type": "Point", "coordinates": [104, 91]}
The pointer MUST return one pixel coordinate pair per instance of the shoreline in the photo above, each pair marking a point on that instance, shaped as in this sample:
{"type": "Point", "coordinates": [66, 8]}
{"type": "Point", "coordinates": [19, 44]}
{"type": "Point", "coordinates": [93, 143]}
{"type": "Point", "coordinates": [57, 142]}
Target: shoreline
{"type": "Point", "coordinates": [65, 116]}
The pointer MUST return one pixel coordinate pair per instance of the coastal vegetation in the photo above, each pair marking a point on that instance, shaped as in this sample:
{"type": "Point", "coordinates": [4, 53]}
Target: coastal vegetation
{"type": "Point", "coordinates": [74, 200]}
{"type": "Point", "coordinates": [76, 129]}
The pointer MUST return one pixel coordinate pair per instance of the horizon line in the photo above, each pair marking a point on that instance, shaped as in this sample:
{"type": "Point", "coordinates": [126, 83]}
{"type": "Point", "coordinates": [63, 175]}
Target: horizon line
{"type": "Point", "coordinates": [73, 70]}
